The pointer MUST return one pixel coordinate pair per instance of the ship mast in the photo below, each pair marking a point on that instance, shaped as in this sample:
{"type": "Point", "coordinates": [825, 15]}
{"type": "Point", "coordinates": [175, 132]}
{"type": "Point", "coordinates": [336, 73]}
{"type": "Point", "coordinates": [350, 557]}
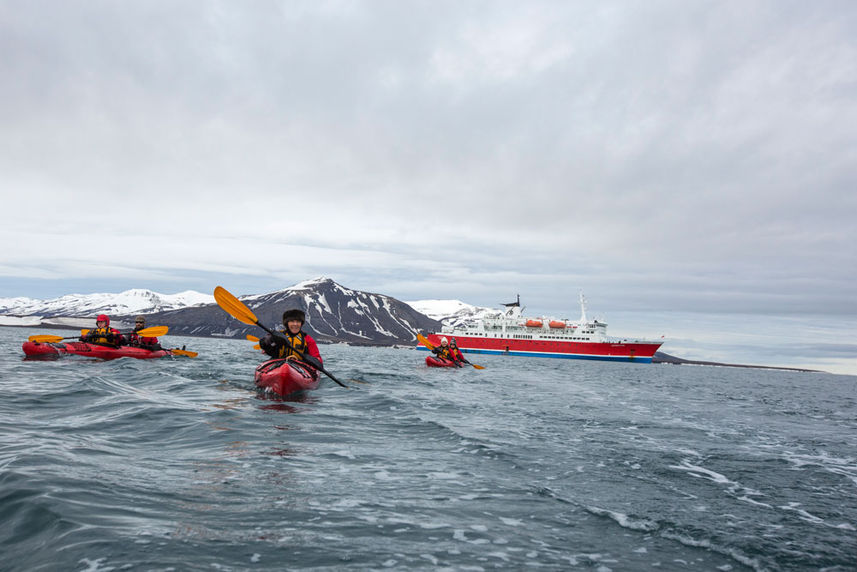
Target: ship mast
{"type": "Point", "coordinates": [582, 308]}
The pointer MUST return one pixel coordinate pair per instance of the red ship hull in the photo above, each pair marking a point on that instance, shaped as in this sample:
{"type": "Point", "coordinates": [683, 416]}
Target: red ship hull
{"type": "Point", "coordinates": [612, 351]}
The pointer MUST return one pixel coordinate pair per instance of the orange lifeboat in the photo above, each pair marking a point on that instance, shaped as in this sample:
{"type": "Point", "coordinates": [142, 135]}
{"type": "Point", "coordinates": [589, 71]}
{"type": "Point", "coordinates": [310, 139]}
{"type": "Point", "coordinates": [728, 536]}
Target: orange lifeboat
{"type": "Point", "coordinates": [534, 323]}
{"type": "Point", "coordinates": [556, 324]}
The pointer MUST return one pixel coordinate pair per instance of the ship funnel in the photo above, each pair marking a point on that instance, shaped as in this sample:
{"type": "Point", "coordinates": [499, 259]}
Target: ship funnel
{"type": "Point", "coordinates": [513, 309]}
{"type": "Point", "coordinates": [515, 303]}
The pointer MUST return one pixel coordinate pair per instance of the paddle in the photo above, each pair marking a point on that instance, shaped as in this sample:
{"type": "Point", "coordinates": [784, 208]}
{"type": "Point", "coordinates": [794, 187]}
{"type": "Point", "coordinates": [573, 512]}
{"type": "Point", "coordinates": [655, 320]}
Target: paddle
{"type": "Point", "coordinates": [181, 352]}
{"type": "Point", "coordinates": [152, 332]}
{"type": "Point", "coordinates": [48, 339]}
{"type": "Point", "coordinates": [235, 308]}
{"type": "Point", "coordinates": [424, 341]}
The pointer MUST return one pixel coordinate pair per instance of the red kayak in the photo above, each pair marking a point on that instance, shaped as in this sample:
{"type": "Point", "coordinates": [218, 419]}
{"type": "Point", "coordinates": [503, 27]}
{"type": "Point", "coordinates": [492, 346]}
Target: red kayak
{"type": "Point", "coordinates": [59, 349]}
{"type": "Point", "coordinates": [282, 376]}
{"type": "Point", "coordinates": [434, 361]}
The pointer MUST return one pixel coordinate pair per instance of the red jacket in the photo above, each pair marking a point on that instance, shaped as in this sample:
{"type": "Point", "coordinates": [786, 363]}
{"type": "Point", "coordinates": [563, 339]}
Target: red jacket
{"type": "Point", "coordinates": [455, 353]}
{"type": "Point", "coordinates": [135, 340]}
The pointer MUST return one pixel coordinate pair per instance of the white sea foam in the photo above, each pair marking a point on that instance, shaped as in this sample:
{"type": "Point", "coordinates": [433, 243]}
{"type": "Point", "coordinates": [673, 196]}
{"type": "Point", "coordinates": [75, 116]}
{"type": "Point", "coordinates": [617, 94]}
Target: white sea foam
{"type": "Point", "coordinates": [844, 466]}
{"type": "Point", "coordinates": [697, 471]}
{"type": "Point", "coordinates": [624, 520]}
{"type": "Point", "coordinates": [803, 514]}
{"type": "Point", "coordinates": [745, 498]}
{"type": "Point", "coordinates": [94, 565]}
{"type": "Point", "coordinates": [705, 543]}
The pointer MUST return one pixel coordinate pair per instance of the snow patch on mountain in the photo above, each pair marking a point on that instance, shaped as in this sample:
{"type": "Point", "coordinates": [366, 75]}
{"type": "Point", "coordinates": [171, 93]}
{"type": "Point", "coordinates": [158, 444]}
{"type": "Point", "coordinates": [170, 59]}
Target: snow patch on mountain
{"type": "Point", "coordinates": [452, 312]}
{"type": "Point", "coordinates": [20, 320]}
{"type": "Point", "coordinates": [135, 301]}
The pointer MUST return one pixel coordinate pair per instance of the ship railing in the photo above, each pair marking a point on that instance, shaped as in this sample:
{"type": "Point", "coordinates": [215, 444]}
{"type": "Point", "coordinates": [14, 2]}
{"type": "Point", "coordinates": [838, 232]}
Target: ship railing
{"type": "Point", "coordinates": [614, 340]}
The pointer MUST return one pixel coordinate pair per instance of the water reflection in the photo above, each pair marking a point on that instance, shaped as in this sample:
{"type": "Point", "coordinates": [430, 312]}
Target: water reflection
{"type": "Point", "coordinates": [282, 403]}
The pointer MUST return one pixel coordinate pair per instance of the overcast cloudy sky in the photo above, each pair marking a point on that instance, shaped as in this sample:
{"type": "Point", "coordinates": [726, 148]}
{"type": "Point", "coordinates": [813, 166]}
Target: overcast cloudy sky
{"type": "Point", "coordinates": [659, 155]}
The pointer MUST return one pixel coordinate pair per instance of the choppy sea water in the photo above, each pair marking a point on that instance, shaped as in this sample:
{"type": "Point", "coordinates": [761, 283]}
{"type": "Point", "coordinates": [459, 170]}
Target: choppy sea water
{"type": "Point", "coordinates": [553, 464]}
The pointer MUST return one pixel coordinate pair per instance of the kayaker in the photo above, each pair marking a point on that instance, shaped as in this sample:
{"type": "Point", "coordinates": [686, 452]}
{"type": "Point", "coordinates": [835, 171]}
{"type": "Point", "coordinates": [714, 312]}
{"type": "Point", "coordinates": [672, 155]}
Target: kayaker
{"type": "Point", "coordinates": [443, 351]}
{"type": "Point", "coordinates": [293, 321]}
{"type": "Point", "coordinates": [103, 333]}
{"type": "Point", "coordinates": [455, 352]}
{"type": "Point", "coordinates": [147, 343]}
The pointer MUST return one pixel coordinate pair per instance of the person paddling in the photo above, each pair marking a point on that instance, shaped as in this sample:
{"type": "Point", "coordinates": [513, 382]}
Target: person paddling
{"type": "Point", "coordinates": [103, 333]}
{"type": "Point", "coordinates": [293, 321]}
{"type": "Point", "coordinates": [443, 351]}
{"type": "Point", "coordinates": [456, 354]}
{"type": "Point", "coordinates": [147, 343]}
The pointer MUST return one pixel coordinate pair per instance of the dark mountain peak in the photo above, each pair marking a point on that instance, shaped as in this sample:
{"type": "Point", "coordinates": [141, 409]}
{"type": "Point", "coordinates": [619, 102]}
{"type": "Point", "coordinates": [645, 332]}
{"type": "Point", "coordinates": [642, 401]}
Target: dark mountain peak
{"type": "Point", "coordinates": [334, 314]}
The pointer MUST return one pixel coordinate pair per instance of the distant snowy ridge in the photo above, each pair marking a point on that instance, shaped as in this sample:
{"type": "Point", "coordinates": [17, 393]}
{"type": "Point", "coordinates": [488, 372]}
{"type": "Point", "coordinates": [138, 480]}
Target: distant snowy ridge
{"type": "Point", "coordinates": [452, 312]}
{"type": "Point", "coordinates": [335, 313]}
{"type": "Point", "coordinates": [135, 301]}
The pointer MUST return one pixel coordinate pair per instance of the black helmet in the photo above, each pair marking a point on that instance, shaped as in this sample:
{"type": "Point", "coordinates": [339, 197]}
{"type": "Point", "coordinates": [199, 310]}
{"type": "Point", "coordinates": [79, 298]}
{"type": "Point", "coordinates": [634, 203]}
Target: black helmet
{"type": "Point", "coordinates": [294, 314]}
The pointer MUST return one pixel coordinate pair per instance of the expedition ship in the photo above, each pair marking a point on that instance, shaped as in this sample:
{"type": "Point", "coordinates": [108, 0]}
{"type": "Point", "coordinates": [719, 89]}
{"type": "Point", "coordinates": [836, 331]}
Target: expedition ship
{"type": "Point", "coordinates": [513, 334]}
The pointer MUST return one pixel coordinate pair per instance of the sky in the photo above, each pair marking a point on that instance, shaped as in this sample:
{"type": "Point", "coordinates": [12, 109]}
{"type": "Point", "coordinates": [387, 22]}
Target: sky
{"type": "Point", "coordinates": [661, 156]}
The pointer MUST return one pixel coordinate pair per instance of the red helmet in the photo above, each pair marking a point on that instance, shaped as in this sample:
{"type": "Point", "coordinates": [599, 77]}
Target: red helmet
{"type": "Point", "coordinates": [102, 318]}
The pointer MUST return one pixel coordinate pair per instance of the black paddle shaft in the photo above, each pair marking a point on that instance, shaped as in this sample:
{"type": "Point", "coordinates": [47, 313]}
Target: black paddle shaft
{"type": "Point", "coordinates": [312, 360]}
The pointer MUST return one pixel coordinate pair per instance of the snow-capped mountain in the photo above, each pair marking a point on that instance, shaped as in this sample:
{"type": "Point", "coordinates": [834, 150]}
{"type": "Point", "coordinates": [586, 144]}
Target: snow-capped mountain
{"type": "Point", "coordinates": [335, 314]}
{"type": "Point", "coordinates": [136, 301]}
{"type": "Point", "coordinates": [452, 312]}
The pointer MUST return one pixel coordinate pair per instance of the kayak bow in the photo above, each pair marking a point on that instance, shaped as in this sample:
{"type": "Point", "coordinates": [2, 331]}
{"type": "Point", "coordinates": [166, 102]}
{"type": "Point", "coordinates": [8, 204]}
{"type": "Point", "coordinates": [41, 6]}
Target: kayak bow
{"type": "Point", "coordinates": [283, 377]}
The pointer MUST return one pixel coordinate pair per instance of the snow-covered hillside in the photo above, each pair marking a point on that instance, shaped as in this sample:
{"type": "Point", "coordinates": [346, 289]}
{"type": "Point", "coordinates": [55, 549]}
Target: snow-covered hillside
{"type": "Point", "coordinates": [136, 301]}
{"type": "Point", "coordinates": [452, 312]}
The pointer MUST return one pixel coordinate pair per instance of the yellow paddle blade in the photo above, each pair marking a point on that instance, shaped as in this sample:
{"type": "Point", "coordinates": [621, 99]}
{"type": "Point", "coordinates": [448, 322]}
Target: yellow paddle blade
{"type": "Point", "coordinates": [234, 307]}
{"type": "Point", "coordinates": [252, 338]}
{"type": "Point", "coordinates": [84, 332]}
{"type": "Point", "coordinates": [424, 341]}
{"type": "Point", "coordinates": [187, 353]}
{"type": "Point", "coordinates": [45, 339]}
{"type": "Point", "coordinates": [478, 366]}
{"type": "Point", "coordinates": [153, 332]}
{"type": "Point", "coordinates": [257, 347]}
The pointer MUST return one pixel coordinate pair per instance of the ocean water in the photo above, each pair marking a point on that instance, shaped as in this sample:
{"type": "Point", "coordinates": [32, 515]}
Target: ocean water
{"type": "Point", "coordinates": [550, 464]}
